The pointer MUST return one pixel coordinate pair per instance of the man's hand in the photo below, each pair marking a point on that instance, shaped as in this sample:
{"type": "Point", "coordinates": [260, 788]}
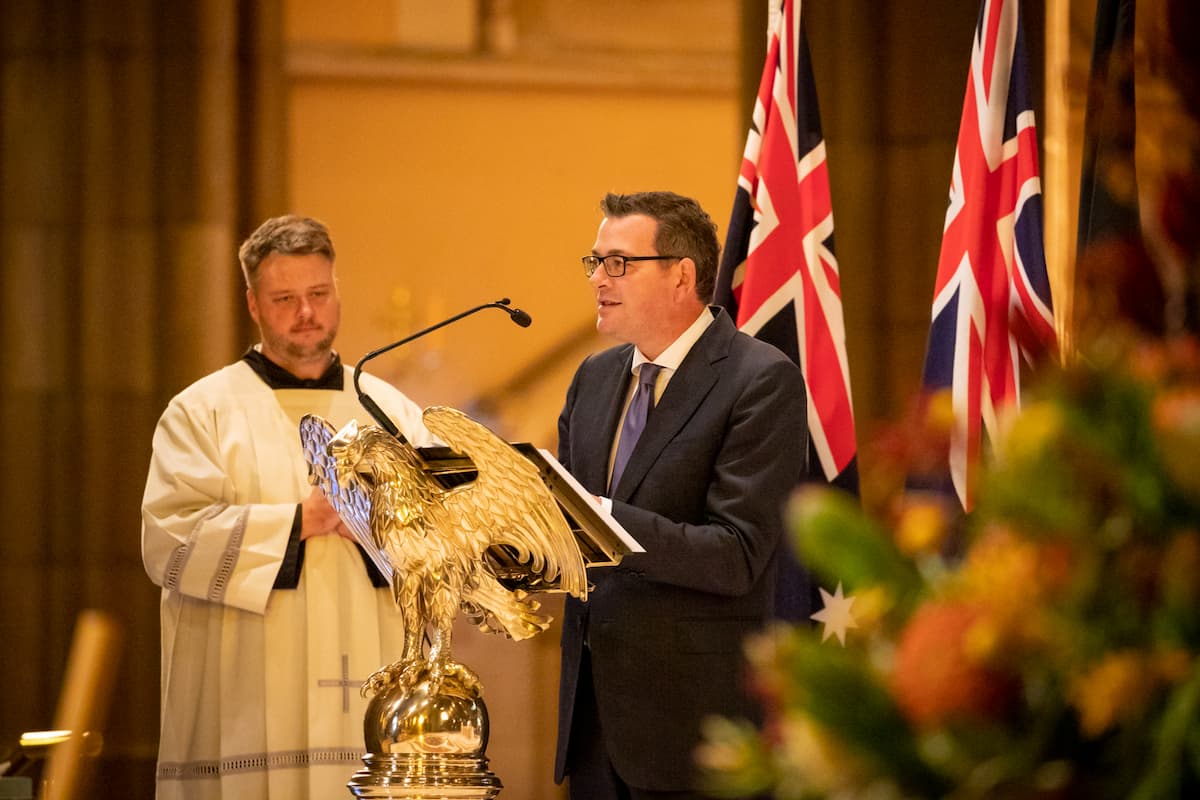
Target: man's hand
{"type": "Point", "coordinates": [317, 518]}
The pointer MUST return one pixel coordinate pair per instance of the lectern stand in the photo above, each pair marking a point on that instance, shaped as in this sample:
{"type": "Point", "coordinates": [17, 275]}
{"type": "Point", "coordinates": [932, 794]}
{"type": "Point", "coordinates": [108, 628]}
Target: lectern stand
{"type": "Point", "coordinates": [426, 726]}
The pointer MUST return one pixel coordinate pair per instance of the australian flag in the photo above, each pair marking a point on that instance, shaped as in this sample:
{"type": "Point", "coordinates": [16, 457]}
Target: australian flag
{"type": "Point", "coordinates": [778, 276]}
{"type": "Point", "coordinates": [991, 304]}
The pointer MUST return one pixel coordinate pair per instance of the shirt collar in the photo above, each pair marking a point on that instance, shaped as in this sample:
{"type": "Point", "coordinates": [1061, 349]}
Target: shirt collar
{"type": "Point", "coordinates": [673, 356]}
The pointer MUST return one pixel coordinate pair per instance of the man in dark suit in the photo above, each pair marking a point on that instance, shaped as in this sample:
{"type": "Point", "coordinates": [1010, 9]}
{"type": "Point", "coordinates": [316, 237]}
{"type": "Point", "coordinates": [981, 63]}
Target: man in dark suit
{"type": "Point", "coordinates": [657, 646]}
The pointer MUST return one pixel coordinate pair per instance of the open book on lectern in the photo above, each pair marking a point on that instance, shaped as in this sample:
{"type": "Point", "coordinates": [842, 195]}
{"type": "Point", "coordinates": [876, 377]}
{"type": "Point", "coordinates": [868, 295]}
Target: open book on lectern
{"type": "Point", "coordinates": [602, 541]}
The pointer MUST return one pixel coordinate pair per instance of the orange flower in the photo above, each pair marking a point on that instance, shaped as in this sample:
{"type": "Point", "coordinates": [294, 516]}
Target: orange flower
{"type": "Point", "coordinates": [1056, 566]}
{"type": "Point", "coordinates": [937, 677]}
{"type": "Point", "coordinates": [1176, 418]}
{"type": "Point", "coordinates": [1177, 410]}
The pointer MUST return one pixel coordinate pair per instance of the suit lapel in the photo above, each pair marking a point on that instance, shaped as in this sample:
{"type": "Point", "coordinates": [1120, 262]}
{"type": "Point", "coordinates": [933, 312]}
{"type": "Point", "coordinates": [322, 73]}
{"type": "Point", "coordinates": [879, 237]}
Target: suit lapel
{"type": "Point", "coordinates": [690, 385]}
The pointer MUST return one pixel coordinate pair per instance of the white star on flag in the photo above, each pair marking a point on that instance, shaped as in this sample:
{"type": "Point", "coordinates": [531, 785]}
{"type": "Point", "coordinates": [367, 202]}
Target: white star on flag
{"type": "Point", "coordinates": [836, 615]}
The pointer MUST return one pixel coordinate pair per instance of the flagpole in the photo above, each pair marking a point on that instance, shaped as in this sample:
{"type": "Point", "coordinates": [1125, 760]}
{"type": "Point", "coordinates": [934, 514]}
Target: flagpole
{"type": "Point", "coordinates": [754, 51]}
{"type": "Point", "coordinates": [1061, 193]}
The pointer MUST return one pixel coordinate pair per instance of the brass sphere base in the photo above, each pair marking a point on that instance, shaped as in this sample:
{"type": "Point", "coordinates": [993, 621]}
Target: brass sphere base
{"type": "Point", "coordinates": [425, 777]}
{"type": "Point", "coordinates": [426, 740]}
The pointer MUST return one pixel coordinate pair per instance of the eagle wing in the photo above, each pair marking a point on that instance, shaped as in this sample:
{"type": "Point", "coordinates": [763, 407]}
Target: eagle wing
{"type": "Point", "coordinates": [349, 497]}
{"type": "Point", "coordinates": [508, 503]}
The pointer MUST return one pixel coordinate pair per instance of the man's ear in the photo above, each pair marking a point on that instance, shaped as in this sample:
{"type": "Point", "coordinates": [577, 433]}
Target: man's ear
{"type": "Point", "coordinates": [252, 304]}
{"type": "Point", "coordinates": [687, 276]}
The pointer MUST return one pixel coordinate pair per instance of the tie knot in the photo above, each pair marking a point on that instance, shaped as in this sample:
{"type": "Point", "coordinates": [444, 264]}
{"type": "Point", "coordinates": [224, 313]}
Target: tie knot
{"type": "Point", "coordinates": [648, 374]}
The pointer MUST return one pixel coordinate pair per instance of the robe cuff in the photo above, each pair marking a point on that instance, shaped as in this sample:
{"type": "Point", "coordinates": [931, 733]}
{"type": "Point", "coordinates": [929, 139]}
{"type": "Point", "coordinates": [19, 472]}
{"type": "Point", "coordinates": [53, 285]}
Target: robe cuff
{"type": "Point", "coordinates": [293, 558]}
{"type": "Point", "coordinates": [377, 579]}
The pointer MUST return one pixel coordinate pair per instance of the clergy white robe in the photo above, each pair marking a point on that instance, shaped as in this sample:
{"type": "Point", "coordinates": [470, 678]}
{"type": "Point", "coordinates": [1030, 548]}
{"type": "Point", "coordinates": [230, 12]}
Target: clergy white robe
{"type": "Point", "coordinates": [260, 687]}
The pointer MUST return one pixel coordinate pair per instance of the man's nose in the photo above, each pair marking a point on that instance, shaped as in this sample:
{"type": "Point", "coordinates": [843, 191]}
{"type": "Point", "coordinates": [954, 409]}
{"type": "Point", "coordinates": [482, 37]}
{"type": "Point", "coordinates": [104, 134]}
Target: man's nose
{"type": "Point", "coordinates": [599, 277]}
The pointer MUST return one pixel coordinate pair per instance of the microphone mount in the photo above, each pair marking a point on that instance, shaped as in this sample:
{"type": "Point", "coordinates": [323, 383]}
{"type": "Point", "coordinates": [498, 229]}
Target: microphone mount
{"type": "Point", "coordinates": [515, 314]}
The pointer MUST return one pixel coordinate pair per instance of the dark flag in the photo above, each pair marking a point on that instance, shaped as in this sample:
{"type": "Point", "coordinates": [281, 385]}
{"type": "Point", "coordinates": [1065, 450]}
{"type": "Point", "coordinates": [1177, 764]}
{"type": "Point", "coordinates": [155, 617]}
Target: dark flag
{"type": "Point", "coordinates": [991, 303]}
{"type": "Point", "coordinates": [778, 276]}
{"type": "Point", "coordinates": [1114, 272]}
{"type": "Point", "coordinates": [1108, 203]}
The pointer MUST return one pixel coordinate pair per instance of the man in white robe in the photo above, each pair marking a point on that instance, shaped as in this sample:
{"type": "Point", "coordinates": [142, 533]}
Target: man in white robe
{"type": "Point", "coordinates": [272, 615]}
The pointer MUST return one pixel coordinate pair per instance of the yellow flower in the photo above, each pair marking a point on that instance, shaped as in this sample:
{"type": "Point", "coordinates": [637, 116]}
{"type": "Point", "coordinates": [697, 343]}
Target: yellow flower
{"type": "Point", "coordinates": [1037, 425]}
{"type": "Point", "coordinates": [733, 761]}
{"type": "Point", "coordinates": [727, 746]}
{"type": "Point", "coordinates": [1000, 571]}
{"type": "Point", "coordinates": [982, 641]}
{"type": "Point", "coordinates": [921, 527]}
{"type": "Point", "coordinates": [1015, 582]}
{"type": "Point", "coordinates": [1112, 691]}
{"type": "Point", "coordinates": [939, 411]}
{"type": "Point", "coordinates": [870, 606]}
{"type": "Point", "coordinates": [812, 758]}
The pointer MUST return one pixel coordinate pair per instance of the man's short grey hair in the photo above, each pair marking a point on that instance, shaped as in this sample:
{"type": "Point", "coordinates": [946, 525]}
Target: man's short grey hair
{"type": "Point", "coordinates": [289, 235]}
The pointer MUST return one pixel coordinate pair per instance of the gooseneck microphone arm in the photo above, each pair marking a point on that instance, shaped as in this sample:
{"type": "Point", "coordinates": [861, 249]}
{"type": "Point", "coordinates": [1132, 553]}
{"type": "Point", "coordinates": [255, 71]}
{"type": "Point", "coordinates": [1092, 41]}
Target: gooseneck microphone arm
{"type": "Point", "coordinates": [517, 315]}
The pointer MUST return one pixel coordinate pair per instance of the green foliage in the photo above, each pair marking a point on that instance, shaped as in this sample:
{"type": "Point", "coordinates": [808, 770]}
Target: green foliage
{"type": "Point", "coordinates": [1052, 651]}
{"type": "Point", "coordinates": [839, 542]}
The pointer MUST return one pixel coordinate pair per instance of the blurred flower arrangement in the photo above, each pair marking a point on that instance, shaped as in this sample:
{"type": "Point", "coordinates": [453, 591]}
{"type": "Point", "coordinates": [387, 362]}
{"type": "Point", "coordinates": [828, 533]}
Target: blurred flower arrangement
{"type": "Point", "coordinates": [1049, 649]}
{"type": "Point", "coordinates": [1048, 645]}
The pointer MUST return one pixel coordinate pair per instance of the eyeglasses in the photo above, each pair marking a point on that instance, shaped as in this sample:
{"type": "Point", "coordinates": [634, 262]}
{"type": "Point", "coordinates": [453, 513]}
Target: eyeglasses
{"type": "Point", "coordinates": [614, 266]}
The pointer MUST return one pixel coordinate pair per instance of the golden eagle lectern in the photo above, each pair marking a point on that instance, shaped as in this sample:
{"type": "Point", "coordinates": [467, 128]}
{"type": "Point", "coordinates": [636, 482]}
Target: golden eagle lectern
{"type": "Point", "coordinates": [444, 549]}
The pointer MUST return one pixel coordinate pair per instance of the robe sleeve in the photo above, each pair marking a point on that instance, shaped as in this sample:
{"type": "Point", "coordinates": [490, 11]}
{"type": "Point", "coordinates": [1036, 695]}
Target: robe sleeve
{"type": "Point", "coordinates": [199, 537]}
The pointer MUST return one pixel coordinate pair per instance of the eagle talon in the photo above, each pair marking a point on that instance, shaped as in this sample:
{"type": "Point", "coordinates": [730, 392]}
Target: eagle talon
{"type": "Point", "coordinates": [464, 676]}
{"type": "Point", "coordinates": [404, 674]}
{"type": "Point", "coordinates": [407, 675]}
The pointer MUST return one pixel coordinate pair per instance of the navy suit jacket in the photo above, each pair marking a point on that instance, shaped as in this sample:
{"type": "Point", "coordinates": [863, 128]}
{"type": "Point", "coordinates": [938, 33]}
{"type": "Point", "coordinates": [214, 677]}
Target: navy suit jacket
{"type": "Point", "coordinates": [703, 493]}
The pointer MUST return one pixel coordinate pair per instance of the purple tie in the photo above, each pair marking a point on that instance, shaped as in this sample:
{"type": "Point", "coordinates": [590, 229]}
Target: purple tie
{"type": "Point", "coordinates": [635, 420]}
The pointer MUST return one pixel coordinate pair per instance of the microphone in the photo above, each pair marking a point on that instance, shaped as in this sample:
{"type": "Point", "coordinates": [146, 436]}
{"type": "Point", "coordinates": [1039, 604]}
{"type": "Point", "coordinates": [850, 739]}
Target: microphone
{"type": "Point", "coordinates": [520, 317]}
{"type": "Point", "coordinates": [515, 314]}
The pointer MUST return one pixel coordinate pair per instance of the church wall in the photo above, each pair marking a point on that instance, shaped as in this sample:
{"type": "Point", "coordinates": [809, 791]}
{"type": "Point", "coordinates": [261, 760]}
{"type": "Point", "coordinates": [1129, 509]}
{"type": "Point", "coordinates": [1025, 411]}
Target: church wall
{"type": "Point", "coordinates": [441, 198]}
